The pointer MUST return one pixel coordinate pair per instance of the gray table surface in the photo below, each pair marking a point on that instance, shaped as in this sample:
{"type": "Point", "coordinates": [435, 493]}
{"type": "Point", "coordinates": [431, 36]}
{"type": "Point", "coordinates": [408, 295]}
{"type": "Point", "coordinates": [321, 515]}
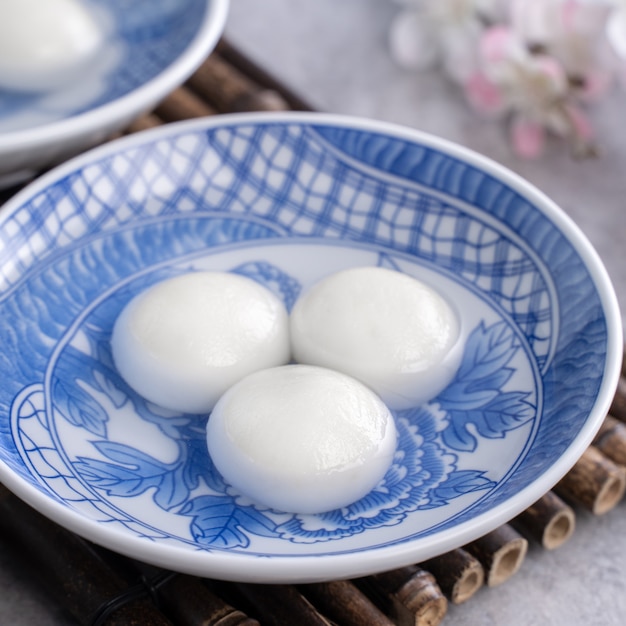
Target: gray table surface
{"type": "Point", "coordinates": [334, 53]}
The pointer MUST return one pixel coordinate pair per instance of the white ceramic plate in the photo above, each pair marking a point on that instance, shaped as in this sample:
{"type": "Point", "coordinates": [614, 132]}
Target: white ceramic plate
{"type": "Point", "coordinates": [287, 199]}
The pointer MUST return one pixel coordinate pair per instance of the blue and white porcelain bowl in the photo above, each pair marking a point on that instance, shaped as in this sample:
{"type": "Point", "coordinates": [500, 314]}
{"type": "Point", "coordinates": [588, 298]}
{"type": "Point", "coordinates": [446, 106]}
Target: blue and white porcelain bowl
{"type": "Point", "coordinates": [150, 47]}
{"type": "Point", "coordinates": [286, 199]}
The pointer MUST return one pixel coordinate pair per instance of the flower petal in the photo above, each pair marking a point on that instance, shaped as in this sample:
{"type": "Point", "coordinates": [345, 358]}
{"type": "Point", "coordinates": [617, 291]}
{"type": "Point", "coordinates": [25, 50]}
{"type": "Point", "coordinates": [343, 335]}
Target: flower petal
{"type": "Point", "coordinates": [597, 84]}
{"type": "Point", "coordinates": [534, 20]}
{"type": "Point", "coordinates": [616, 31]}
{"type": "Point", "coordinates": [587, 19]}
{"type": "Point", "coordinates": [483, 94]}
{"type": "Point", "coordinates": [413, 40]}
{"type": "Point", "coordinates": [528, 138]}
{"type": "Point", "coordinates": [496, 44]}
{"type": "Point", "coordinates": [552, 71]}
{"type": "Point", "coordinates": [459, 46]}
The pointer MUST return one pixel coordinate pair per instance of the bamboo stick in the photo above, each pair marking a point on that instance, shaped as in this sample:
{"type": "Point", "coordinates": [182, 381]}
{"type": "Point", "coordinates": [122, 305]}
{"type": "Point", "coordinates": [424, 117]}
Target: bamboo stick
{"type": "Point", "coordinates": [342, 602]}
{"type": "Point", "coordinates": [611, 440]}
{"type": "Point", "coordinates": [618, 406]}
{"type": "Point", "coordinates": [183, 104]}
{"type": "Point", "coordinates": [228, 90]}
{"type": "Point", "coordinates": [70, 570]}
{"type": "Point", "coordinates": [410, 595]}
{"type": "Point", "coordinates": [188, 602]}
{"type": "Point", "coordinates": [459, 574]}
{"type": "Point", "coordinates": [273, 605]}
{"type": "Point", "coordinates": [549, 521]}
{"type": "Point", "coordinates": [145, 122]}
{"type": "Point", "coordinates": [501, 553]}
{"type": "Point", "coordinates": [595, 482]}
{"type": "Point", "coordinates": [242, 63]}
{"type": "Point", "coordinates": [185, 599]}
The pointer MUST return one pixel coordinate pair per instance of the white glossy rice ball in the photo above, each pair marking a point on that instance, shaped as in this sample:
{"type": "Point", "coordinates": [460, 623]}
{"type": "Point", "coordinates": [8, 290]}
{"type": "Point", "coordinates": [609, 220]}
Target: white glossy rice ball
{"type": "Point", "coordinates": [184, 341]}
{"type": "Point", "coordinates": [45, 44]}
{"type": "Point", "coordinates": [301, 439]}
{"type": "Point", "coordinates": [391, 331]}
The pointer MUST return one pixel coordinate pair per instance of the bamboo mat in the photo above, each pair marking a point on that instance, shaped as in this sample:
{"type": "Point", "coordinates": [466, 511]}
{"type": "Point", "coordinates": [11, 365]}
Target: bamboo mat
{"type": "Point", "coordinates": [98, 587]}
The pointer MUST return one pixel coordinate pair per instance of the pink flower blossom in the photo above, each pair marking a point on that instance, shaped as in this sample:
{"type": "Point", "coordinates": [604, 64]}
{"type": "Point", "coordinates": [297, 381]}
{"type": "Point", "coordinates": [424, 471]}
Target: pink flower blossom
{"type": "Point", "coordinates": [532, 88]}
{"type": "Point", "coordinates": [483, 94]}
{"type": "Point", "coordinates": [535, 62]}
{"type": "Point", "coordinates": [446, 32]}
{"type": "Point", "coordinates": [616, 35]}
{"type": "Point", "coordinates": [574, 32]}
{"type": "Point", "coordinates": [528, 137]}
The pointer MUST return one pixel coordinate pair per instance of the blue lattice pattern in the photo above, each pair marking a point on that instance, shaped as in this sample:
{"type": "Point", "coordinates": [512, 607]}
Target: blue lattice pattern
{"type": "Point", "coordinates": [286, 174]}
{"type": "Point", "coordinates": [37, 445]}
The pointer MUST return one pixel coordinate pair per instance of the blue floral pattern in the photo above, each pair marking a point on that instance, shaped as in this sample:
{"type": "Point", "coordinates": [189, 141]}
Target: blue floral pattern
{"type": "Point", "coordinates": [476, 394]}
{"type": "Point", "coordinates": [84, 381]}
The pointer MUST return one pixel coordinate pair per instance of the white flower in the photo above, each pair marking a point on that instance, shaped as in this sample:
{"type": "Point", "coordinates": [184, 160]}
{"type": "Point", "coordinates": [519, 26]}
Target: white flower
{"type": "Point", "coordinates": [574, 32]}
{"type": "Point", "coordinates": [444, 31]}
{"type": "Point", "coordinates": [535, 61]}
{"type": "Point", "coordinates": [616, 29]}
{"type": "Point", "coordinates": [533, 88]}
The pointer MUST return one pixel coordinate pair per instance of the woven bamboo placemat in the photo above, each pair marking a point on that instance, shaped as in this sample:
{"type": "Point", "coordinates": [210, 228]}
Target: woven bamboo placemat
{"type": "Point", "coordinates": [98, 587]}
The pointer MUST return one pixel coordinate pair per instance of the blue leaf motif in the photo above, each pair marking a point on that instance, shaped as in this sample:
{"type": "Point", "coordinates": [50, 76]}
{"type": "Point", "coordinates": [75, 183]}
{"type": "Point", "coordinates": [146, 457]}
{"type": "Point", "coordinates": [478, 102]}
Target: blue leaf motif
{"type": "Point", "coordinates": [111, 388]}
{"type": "Point", "coordinates": [456, 435]}
{"type": "Point", "coordinates": [133, 473]}
{"type": "Point", "coordinates": [198, 464]}
{"type": "Point", "coordinates": [219, 521]}
{"type": "Point", "coordinates": [72, 401]}
{"type": "Point", "coordinates": [487, 350]}
{"type": "Point", "coordinates": [506, 412]}
{"type": "Point", "coordinates": [459, 483]}
{"type": "Point", "coordinates": [78, 407]}
{"type": "Point", "coordinates": [483, 370]}
{"type": "Point", "coordinates": [276, 280]}
{"type": "Point", "coordinates": [475, 396]}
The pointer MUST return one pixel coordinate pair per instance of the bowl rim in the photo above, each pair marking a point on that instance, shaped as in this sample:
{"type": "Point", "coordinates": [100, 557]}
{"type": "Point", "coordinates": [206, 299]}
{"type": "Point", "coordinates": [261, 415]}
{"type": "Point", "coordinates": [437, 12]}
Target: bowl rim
{"type": "Point", "coordinates": [134, 102]}
{"type": "Point", "coordinates": [249, 568]}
